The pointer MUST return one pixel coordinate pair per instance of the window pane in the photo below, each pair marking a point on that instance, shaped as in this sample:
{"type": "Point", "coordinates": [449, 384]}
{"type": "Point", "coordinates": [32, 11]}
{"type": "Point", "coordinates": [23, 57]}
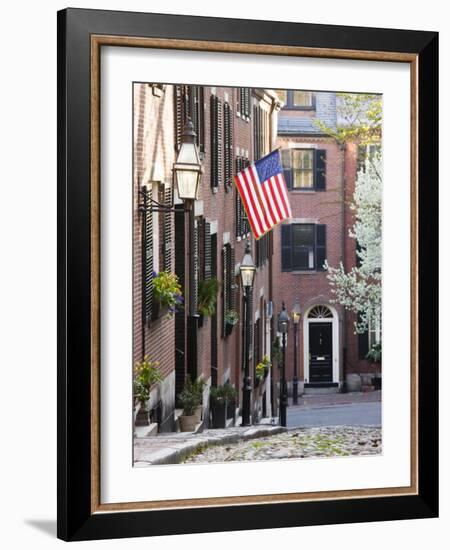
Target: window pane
{"type": "Point", "coordinates": [303, 235]}
{"type": "Point", "coordinates": [302, 162]}
{"type": "Point", "coordinates": [302, 99]}
{"type": "Point", "coordinates": [282, 94]}
{"type": "Point", "coordinates": [303, 246]}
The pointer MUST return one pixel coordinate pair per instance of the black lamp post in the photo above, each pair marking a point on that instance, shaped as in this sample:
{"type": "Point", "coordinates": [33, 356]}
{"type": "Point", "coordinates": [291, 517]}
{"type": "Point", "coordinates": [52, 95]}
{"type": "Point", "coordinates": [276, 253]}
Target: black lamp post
{"type": "Point", "coordinates": [283, 325]}
{"type": "Point", "coordinates": [187, 172]}
{"type": "Point", "coordinates": [296, 319]}
{"type": "Point", "coordinates": [247, 271]}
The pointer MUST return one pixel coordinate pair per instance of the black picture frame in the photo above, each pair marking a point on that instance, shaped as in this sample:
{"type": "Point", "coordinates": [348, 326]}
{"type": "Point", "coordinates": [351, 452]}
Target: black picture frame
{"type": "Point", "coordinates": [76, 520]}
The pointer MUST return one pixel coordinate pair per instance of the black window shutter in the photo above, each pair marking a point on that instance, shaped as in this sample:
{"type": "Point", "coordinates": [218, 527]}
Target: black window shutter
{"type": "Point", "coordinates": [178, 115]}
{"type": "Point", "coordinates": [320, 159]}
{"type": "Point", "coordinates": [219, 117]}
{"type": "Point", "coordinates": [287, 167]}
{"type": "Point", "coordinates": [196, 238]}
{"type": "Point", "coordinates": [167, 230]}
{"type": "Point", "coordinates": [224, 287]}
{"type": "Point", "coordinates": [286, 248]}
{"type": "Point", "coordinates": [214, 159]}
{"type": "Point", "coordinates": [227, 145]}
{"type": "Point", "coordinates": [238, 215]}
{"type": "Point", "coordinates": [207, 250]}
{"type": "Point", "coordinates": [216, 141]}
{"type": "Point", "coordinates": [148, 265]}
{"type": "Point", "coordinates": [197, 108]}
{"type": "Point", "coordinates": [321, 238]}
{"type": "Point", "coordinates": [231, 285]}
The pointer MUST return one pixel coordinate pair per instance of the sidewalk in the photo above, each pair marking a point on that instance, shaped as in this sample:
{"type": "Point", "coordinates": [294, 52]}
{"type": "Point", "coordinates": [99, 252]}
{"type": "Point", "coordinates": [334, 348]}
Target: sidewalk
{"type": "Point", "coordinates": [173, 448]}
{"type": "Point", "coordinates": [330, 400]}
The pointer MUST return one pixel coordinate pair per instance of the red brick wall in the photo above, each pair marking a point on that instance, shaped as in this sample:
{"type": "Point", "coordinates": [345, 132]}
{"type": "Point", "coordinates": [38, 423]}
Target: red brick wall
{"type": "Point", "coordinates": [324, 207]}
{"type": "Point", "coordinates": [154, 145]}
{"type": "Point", "coordinates": [153, 157]}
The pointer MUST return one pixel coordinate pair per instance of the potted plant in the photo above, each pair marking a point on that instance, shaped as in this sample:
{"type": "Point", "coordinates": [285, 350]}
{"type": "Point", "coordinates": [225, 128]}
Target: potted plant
{"type": "Point", "coordinates": [262, 368]}
{"type": "Point", "coordinates": [374, 356]}
{"type": "Point", "coordinates": [218, 396]}
{"type": "Point", "coordinates": [198, 387]}
{"type": "Point", "coordinates": [231, 319]}
{"type": "Point", "coordinates": [146, 374]}
{"type": "Point", "coordinates": [168, 298]}
{"type": "Point", "coordinates": [207, 297]}
{"type": "Point", "coordinates": [189, 399]}
{"type": "Point", "coordinates": [230, 396]}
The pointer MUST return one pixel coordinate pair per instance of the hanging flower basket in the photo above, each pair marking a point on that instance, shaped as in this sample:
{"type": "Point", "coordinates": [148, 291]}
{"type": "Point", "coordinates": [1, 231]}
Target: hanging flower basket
{"type": "Point", "coordinates": [167, 295]}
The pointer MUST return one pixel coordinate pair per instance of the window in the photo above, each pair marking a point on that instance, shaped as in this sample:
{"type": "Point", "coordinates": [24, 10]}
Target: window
{"type": "Point", "coordinates": [303, 247]}
{"type": "Point", "coordinates": [374, 333]}
{"type": "Point", "coordinates": [297, 99]}
{"type": "Point", "coordinates": [260, 132]}
{"type": "Point", "coordinates": [282, 95]}
{"type": "Point", "coordinates": [189, 102]}
{"type": "Point", "coordinates": [367, 339]}
{"type": "Point", "coordinates": [302, 99]}
{"type": "Point", "coordinates": [304, 168]}
{"type": "Point", "coordinates": [367, 152]}
{"type": "Point", "coordinates": [262, 250]}
{"type": "Point", "coordinates": [165, 229]}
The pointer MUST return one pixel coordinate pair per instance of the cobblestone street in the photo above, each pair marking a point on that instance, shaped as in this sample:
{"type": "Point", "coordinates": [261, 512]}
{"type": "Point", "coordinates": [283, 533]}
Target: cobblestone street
{"type": "Point", "coordinates": [298, 443]}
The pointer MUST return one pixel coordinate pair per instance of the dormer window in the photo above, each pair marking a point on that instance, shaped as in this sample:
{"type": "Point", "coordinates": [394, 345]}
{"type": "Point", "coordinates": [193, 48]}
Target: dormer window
{"type": "Point", "coordinates": [297, 99]}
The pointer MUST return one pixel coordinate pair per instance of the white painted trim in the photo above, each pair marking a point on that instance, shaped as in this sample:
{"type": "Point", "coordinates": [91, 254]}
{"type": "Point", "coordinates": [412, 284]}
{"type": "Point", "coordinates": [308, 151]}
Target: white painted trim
{"type": "Point", "coordinates": [213, 227]}
{"type": "Point", "coordinates": [198, 208]}
{"type": "Point", "coordinates": [335, 336]}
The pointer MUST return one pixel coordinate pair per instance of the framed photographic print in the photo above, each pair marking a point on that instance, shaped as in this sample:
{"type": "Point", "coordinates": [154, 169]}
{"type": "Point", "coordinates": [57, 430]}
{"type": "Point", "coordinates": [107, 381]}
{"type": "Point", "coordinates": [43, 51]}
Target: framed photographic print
{"type": "Point", "coordinates": [247, 274]}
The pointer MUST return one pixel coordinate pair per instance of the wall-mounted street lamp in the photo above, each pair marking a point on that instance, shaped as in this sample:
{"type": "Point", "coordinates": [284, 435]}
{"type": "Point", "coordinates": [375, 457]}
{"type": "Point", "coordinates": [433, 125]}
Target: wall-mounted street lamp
{"type": "Point", "coordinates": [187, 171]}
{"type": "Point", "coordinates": [283, 327]}
{"type": "Point", "coordinates": [247, 272]}
{"type": "Point", "coordinates": [296, 319]}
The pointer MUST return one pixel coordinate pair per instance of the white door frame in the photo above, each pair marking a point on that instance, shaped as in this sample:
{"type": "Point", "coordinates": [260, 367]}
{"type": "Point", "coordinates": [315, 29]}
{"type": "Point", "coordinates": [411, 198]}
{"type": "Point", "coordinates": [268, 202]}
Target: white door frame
{"type": "Point", "coordinates": [335, 336]}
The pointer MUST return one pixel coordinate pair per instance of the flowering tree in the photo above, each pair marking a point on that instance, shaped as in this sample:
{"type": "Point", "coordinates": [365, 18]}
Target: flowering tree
{"type": "Point", "coordinates": [359, 289]}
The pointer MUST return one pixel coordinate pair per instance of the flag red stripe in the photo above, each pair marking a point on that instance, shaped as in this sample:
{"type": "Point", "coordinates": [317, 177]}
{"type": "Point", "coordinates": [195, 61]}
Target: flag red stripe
{"type": "Point", "coordinates": [245, 199]}
{"type": "Point", "coordinates": [251, 193]}
{"type": "Point", "coordinates": [258, 192]}
{"type": "Point", "coordinates": [276, 192]}
{"type": "Point", "coordinates": [270, 204]}
{"type": "Point", "coordinates": [282, 195]}
{"type": "Point", "coordinates": [282, 184]}
{"type": "Point", "coordinates": [270, 186]}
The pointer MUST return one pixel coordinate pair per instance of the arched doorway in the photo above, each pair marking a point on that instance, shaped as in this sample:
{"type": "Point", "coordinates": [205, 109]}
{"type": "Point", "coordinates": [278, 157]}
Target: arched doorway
{"type": "Point", "coordinates": [321, 346]}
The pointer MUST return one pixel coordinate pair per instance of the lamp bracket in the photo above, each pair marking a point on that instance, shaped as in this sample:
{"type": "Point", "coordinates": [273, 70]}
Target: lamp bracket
{"type": "Point", "coordinates": [148, 204]}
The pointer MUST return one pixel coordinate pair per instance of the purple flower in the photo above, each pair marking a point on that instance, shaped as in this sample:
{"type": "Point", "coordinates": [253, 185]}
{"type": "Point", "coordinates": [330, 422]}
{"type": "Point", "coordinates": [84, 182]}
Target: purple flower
{"type": "Point", "coordinates": [154, 274]}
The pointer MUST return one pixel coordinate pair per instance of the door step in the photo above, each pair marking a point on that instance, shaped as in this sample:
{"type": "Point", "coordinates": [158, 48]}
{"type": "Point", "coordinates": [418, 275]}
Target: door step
{"type": "Point", "coordinates": [321, 388]}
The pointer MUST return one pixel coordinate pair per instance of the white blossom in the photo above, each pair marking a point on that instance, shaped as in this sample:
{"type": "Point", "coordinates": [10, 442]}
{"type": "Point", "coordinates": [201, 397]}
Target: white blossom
{"type": "Point", "coordinates": [359, 290]}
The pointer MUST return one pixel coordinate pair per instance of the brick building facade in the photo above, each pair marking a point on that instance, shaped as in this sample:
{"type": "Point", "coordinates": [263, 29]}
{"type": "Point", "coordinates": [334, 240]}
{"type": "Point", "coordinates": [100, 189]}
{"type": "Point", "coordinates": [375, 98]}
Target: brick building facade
{"type": "Point", "coordinates": [234, 126]}
{"type": "Point", "coordinates": [321, 176]}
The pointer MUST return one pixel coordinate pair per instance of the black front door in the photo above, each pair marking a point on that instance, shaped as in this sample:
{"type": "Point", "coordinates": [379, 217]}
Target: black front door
{"type": "Point", "coordinates": [320, 352]}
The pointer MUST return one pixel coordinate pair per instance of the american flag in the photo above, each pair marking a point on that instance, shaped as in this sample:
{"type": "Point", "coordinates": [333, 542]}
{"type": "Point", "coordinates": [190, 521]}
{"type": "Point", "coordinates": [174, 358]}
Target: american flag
{"type": "Point", "coordinates": [264, 194]}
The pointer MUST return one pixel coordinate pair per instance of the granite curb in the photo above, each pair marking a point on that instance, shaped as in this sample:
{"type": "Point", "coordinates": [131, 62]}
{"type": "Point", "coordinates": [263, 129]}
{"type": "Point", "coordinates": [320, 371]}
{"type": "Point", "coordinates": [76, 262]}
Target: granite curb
{"type": "Point", "coordinates": [176, 448]}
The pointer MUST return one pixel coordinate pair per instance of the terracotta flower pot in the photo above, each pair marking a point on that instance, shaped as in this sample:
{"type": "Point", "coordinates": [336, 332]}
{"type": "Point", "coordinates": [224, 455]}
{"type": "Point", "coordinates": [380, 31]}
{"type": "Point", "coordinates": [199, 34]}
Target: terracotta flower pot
{"type": "Point", "coordinates": [188, 423]}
